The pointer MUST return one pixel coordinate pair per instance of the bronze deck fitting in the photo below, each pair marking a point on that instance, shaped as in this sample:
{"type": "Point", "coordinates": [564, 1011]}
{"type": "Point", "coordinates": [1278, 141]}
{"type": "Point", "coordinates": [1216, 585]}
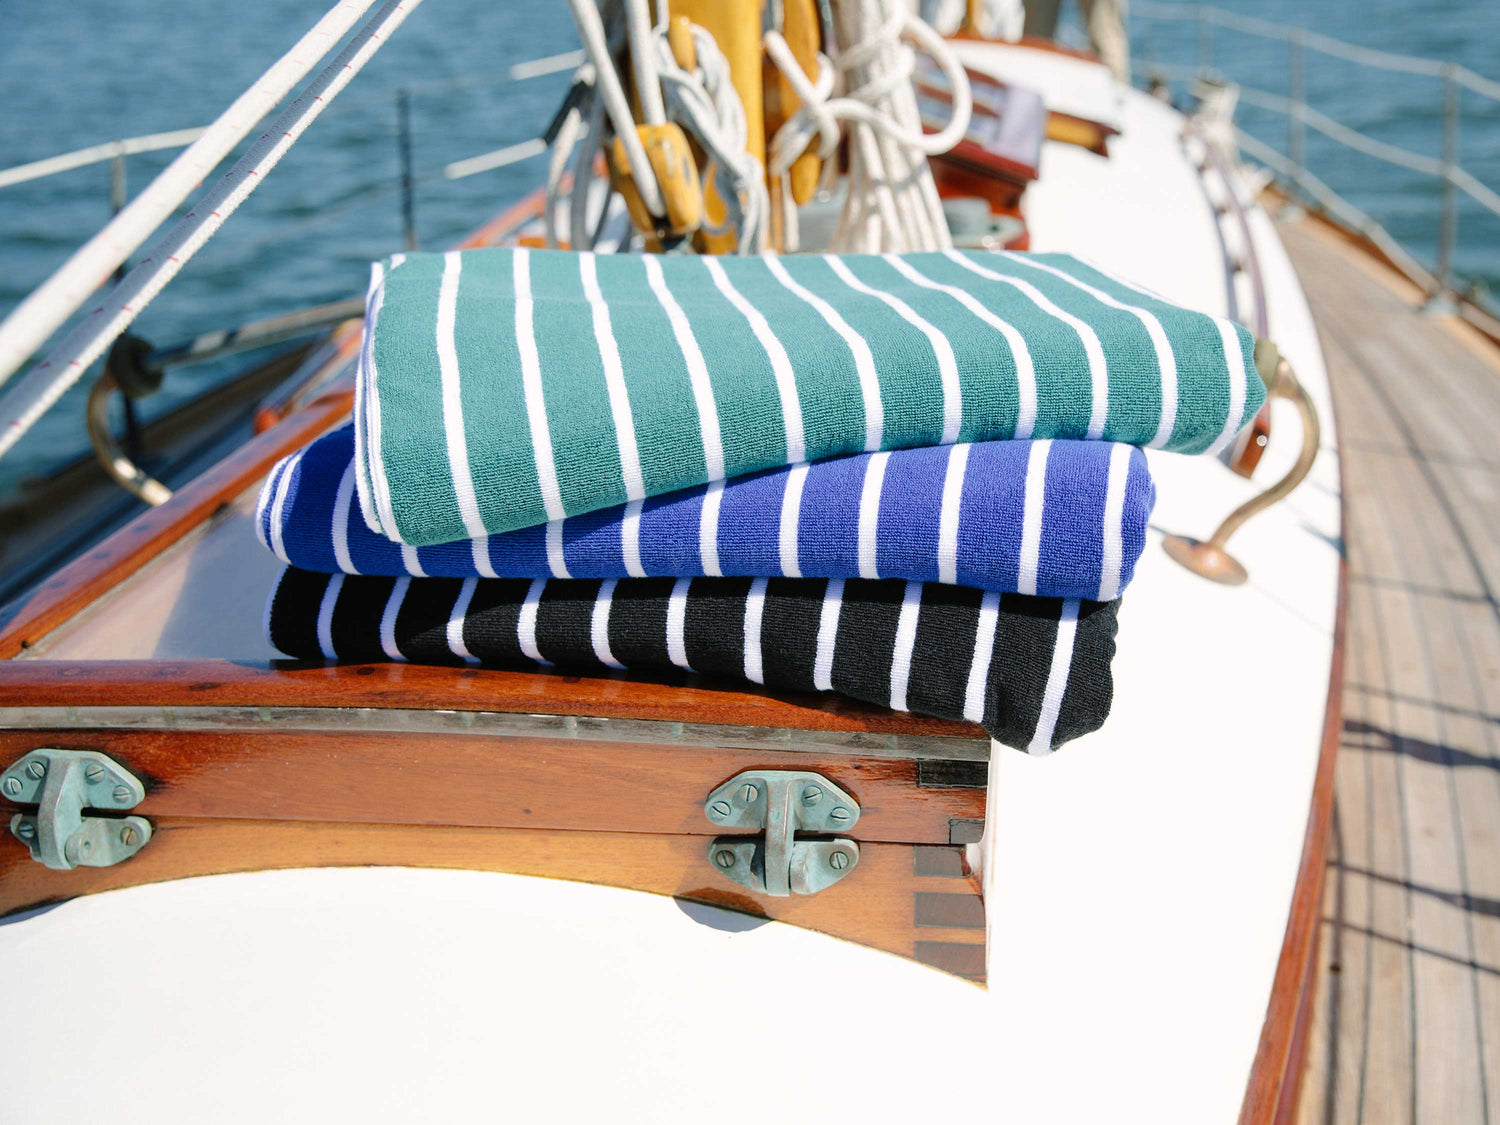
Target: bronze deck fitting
{"type": "Point", "coordinates": [1211, 559]}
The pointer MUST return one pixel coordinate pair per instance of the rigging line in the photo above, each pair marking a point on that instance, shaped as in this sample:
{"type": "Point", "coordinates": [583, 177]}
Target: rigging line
{"type": "Point", "coordinates": [48, 306]}
{"type": "Point", "coordinates": [45, 383]}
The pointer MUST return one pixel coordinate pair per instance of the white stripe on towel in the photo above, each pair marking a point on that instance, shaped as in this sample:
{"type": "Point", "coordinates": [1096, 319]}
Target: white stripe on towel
{"type": "Point", "coordinates": [953, 407]}
{"type": "Point", "coordinates": [412, 561]}
{"type": "Point", "coordinates": [283, 484]}
{"type": "Point", "coordinates": [906, 641]}
{"type": "Point", "coordinates": [953, 494]}
{"type": "Point", "coordinates": [781, 366]}
{"type": "Point", "coordinates": [480, 549]}
{"type": "Point", "coordinates": [342, 502]}
{"type": "Point", "coordinates": [614, 379]}
{"type": "Point", "coordinates": [1234, 359]}
{"type": "Point", "coordinates": [984, 651]}
{"type": "Point", "coordinates": [599, 623]}
{"type": "Point", "coordinates": [869, 514]}
{"type": "Point", "coordinates": [828, 634]}
{"type": "Point", "coordinates": [388, 619]}
{"type": "Point", "coordinates": [630, 539]}
{"type": "Point", "coordinates": [1031, 516]}
{"type": "Point", "coordinates": [1092, 348]}
{"type": "Point", "coordinates": [755, 605]}
{"type": "Point", "coordinates": [267, 491]}
{"type": "Point", "coordinates": [526, 624]}
{"type": "Point", "coordinates": [531, 384]}
{"type": "Point", "coordinates": [1166, 358]}
{"type": "Point", "coordinates": [864, 362]}
{"type": "Point", "coordinates": [325, 615]}
{"type": "Point", "coordinates": [703, 390]}
{"type": "Point", "coordinates": [791, 511]}
{"type": "Point", "coordinates": [453, 411]}
{"type": "Point", "coordinates": [557, 562]}
{"type": "Point", "coordinates": [379, 512]}
{"type": "Point", "coordinates": [455, 630]}
{"type": "Point", "coordinates": [1025, 371]}
{"type": "Point", "coordinates": [1112, 557]}
{"type": "Point", "coordinates": [1057, 680]}
{"type": "Point", "coordinates": [677, 624]}
{"type": "Point", "coordinates": [708, 529]}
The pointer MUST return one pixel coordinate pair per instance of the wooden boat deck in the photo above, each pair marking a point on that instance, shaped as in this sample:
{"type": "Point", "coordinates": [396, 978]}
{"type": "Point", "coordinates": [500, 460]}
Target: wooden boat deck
{"type": "Point", "coordinates": [1406, 1023]}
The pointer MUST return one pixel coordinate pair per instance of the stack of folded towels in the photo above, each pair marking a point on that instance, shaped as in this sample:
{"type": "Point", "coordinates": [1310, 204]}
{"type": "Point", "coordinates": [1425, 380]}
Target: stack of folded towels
{"type": "Point", "coordinates": [911, 479]}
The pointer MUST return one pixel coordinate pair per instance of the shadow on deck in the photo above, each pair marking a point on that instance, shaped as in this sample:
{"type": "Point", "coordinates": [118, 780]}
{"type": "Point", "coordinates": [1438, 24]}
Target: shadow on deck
{"type": "Point", "coordinates": [1406, 1024]}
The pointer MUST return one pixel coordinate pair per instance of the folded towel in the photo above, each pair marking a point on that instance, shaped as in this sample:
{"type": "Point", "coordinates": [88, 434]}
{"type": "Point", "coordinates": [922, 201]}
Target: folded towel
{"type": "Point", "coordinates": [1062, 519]}
{"type": "Point", "coordinates": [1034, 671]}
{"type": "Point", "coordinates": [504, 388]}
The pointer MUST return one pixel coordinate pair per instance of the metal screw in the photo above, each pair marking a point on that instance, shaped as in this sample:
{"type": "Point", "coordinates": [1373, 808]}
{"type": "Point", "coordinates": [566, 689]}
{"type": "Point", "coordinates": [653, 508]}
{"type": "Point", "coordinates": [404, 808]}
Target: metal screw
{"type": "Point", "coordinates": [12, 785]}
{"type": "Point", "coordinates": [812, 795]}
{"type": "Point", "coordinates": [122, 794]}
{"type": "Point", "coordinates": [724, 859]}
{"type": "Point", "coordinates": [36, 769]}
{"type": "Point", "coordinates": [838, 860]}
{"type": "Point", "coordinates": [127, 835]}
{"type": "Point", "coordinates": [839, 814]}
{"type": "Point", "coordinates": [94, 774]}
{"type": "Point", "coordinates": [719, 808]}
{"type": "Point", "coordinates": [748, 793]}
{"type": "Point", "coordinates": [26, 830]}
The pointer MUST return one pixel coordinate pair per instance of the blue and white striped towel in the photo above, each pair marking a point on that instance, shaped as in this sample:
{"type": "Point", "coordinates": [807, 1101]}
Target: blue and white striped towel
{"type": "Point", "coordinates": [1054, 518]}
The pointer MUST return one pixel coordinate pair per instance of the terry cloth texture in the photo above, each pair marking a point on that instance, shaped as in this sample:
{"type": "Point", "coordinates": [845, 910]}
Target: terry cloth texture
{"type": "Point", "coordinates": [1058, 518]}
{"type": "Point", "coordinates": [1034, 671]}
{"type": "Point", "coordinates": [500, 388]}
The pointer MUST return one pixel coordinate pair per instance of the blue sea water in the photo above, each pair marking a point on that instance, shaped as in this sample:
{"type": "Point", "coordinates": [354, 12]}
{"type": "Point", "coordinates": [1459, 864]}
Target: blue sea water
{"type": "Point", "coordinates": [87, 71]}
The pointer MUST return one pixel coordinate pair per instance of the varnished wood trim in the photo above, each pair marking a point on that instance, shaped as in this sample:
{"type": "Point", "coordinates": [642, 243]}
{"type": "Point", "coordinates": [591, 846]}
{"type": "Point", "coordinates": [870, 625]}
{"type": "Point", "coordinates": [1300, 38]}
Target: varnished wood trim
{"type": "Point", "coordinates": [1275, 1076]}
{"type": "Point", "coordinates": [36, 613]}
{"type": "Point", "coordinates": [484, 781]}
{"type": "Point", "coordinates": [190, 683]}
{"type": "Point", "coordinates": [873, 906]}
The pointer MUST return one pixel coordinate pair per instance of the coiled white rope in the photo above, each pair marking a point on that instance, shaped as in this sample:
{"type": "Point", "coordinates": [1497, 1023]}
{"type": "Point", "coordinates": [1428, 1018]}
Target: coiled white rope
{"type": "Point", "coordinates": [596, 46]}
{"type": "Point", "coordinates": [702, 101]}
{"type": "Point", "coordinates": [892, 202]}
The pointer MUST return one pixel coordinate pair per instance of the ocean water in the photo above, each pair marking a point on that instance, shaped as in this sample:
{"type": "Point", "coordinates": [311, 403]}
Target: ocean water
{"type": "Point", "coordinates": [88, 71]}
{"type": "Point", "coordinates": [1399, 109]}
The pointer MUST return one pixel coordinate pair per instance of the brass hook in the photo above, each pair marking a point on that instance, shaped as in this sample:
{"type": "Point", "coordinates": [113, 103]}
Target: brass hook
{"type": "Point", "coordinates": [1211, 559]}
{"type": "Point", "coordinates": [121, 469]}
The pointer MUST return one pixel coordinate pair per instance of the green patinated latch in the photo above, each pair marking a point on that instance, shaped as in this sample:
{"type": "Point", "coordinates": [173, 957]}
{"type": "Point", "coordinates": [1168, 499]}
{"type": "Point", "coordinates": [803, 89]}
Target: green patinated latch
{"type": "Point", "coordinates": [62, 783]}
{"type": "Point", "coordinates": [782, 803]}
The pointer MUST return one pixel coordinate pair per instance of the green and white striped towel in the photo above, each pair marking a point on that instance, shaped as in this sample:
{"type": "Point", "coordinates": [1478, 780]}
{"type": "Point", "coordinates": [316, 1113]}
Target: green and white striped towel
{"type": "Point", "coordinates": [501, 388]}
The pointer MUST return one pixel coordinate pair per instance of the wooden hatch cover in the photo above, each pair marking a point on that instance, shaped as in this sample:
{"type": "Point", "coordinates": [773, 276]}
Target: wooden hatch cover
{"type": "Point", "coordinates": [596, 779]}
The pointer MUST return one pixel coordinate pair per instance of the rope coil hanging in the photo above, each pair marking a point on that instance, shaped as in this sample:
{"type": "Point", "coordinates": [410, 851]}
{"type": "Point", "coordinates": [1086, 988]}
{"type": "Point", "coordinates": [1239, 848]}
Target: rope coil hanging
{"type": "Point", "coordinates": [891, 203]}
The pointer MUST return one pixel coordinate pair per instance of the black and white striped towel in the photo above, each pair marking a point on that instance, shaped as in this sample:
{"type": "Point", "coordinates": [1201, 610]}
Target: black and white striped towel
{"type": "Point", "coordinates": [1035, 672]}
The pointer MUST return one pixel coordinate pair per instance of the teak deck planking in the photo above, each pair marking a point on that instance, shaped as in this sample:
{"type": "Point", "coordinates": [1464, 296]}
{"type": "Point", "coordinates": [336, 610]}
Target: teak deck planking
{"type": "Point", "coordinates": [1407, 1009]}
